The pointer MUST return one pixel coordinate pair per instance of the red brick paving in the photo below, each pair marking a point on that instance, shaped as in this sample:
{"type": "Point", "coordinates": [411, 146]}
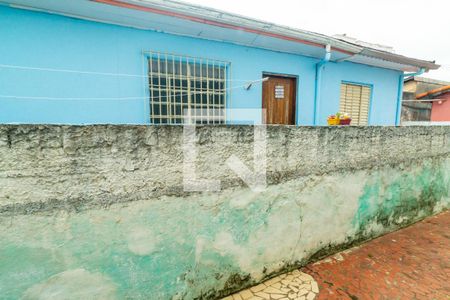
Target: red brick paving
{"type": "Point", "coordinates": [413, 263]}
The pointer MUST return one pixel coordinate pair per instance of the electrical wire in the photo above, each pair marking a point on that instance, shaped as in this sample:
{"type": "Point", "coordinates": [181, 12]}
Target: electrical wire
{"type": "Point", "coordinates": [17, 67]}
{"type": "Point", "coordinates": [120, 98]}
{"type": "Point", "coordinates": [27, 68]}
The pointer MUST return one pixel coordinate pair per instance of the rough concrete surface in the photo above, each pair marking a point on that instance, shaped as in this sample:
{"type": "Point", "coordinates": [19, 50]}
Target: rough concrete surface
{"type": "Point", "coordinates": [106, 203]}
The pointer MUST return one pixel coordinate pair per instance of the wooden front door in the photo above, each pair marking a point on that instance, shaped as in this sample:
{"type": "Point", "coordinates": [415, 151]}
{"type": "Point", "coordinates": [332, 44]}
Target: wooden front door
{"type": "Point", "coordinates": [279, 94]}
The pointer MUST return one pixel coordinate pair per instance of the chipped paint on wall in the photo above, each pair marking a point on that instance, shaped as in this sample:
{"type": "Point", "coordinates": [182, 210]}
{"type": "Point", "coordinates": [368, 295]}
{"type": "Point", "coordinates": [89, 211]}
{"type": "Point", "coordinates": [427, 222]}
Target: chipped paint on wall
{"type": "Point", "coordinates": [77, 284]}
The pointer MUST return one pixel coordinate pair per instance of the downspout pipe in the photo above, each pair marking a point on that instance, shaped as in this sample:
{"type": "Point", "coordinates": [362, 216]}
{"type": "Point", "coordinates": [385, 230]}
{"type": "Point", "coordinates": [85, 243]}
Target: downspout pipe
{"type": "Point", "coordinates": [401, 80]}
{"type": "Point", "coordinates": [317, 89]}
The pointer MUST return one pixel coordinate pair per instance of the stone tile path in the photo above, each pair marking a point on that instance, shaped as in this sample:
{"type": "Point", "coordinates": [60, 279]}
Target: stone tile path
{"type": "Point", "coordinates": [412, 263]}
{"type": "Point", "coordinates": [291, 286]}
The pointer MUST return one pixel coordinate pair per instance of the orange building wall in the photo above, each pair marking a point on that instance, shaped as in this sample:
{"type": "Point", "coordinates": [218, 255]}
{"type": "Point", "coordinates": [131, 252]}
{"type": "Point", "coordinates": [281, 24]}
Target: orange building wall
{"type": "Point", "coordinates": [441, 111]}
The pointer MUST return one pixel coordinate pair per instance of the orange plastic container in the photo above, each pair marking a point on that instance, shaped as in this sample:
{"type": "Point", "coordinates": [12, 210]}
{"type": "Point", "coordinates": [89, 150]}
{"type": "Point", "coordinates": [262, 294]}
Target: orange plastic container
{"type": "Point", "coordinates": [333, 121]}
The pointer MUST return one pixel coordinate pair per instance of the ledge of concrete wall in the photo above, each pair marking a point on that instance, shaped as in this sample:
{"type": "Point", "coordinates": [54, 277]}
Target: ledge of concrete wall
{"type": "Point", "coordinates": [75, 167]}
{"type": "Point", "coordinates": [100, 210]}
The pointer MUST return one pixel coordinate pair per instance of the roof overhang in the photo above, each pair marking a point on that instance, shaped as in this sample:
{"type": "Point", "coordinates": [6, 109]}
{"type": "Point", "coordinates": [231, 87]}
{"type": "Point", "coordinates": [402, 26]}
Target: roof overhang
{"type": "Point", "coordinates": [206, 23]}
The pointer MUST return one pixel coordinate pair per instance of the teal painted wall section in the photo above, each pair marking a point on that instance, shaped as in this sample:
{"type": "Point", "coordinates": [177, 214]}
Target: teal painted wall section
{"type": "Point", "coordinates": [207, 246]}
{"type": "Point", "coordinates": [34, 39]}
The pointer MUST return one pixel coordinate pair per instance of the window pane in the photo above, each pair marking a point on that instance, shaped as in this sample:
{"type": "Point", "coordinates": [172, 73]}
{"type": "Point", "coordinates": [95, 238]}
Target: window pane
{"type": "Point", "coordinates": [178, 83]}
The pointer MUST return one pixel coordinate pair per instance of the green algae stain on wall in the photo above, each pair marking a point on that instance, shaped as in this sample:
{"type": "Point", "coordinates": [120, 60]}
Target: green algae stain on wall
{"type": "Point", "coordinates": [397, 196]}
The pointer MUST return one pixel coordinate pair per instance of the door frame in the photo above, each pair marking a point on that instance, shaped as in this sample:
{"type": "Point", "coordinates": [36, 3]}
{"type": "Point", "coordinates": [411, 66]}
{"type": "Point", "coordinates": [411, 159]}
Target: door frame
{"type": "Point", "coordinates": [283, 75]}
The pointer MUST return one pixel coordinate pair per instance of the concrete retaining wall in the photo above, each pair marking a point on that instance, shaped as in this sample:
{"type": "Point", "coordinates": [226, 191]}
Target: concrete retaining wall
{"type": "Point", "coordinates": [100, 210]}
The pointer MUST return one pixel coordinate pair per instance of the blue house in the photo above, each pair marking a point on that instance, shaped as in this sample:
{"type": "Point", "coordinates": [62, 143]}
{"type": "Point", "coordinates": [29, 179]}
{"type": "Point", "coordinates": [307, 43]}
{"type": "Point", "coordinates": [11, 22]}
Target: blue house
{"type": "Point", "coordinates": [146, 62]}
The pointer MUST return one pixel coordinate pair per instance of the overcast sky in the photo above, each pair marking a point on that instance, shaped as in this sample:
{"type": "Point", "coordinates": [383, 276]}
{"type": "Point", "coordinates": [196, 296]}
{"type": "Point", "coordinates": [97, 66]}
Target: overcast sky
{"type": "Point", "coordinates": [416, 28]}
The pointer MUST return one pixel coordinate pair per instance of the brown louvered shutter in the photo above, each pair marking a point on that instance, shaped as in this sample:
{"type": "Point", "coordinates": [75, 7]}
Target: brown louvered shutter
{"type": "Point", "coordinates": [355, 101]}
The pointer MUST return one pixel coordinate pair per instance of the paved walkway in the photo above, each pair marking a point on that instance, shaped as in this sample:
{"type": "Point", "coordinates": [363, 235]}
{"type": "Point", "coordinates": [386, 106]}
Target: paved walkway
{"type": "Point", "coordinates": [290, 286]}
{"type": "Point", "coordinates": [413, 263]}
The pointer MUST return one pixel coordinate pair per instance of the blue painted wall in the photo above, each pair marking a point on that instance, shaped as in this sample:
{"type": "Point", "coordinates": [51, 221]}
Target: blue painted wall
{"type": "Point", "coordinates": [49, 41]}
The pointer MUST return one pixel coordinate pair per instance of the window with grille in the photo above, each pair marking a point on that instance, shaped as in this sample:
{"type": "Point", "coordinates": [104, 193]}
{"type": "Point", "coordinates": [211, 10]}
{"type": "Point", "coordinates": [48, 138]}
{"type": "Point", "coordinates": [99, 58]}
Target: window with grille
{"type": "Point", "coordinates": [180, 85]}
{"type": "Point", "coordinates": [355, 101]}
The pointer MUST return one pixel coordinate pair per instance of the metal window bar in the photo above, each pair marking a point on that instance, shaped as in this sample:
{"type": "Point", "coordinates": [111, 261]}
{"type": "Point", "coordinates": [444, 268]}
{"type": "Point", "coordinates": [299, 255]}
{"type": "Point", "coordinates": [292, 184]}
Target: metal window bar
{"type": "Point", "coordinates": [207, 93]}
{"type": "Point", "coordinates": [152, 109]}
{"type": "Point", "coordinates": [179, 82]}
{"type": "Point", "coordinates": [173, 90]}
{"type": "Point", "coordinates": [168, 92]}
{"type": "Point", "coordinates": [159, 85]}
{"type": "Point", "coordinates": [224, 111]}
{"type": "Point", "coordinates": [213, 93]}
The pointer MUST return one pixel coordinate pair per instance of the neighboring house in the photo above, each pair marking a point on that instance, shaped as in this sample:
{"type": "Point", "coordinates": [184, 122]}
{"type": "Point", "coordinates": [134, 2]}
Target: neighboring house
{"type": "Point", "coordinates": [416, 91]}
{"type": "Point", "coordinates": [144, 62]}
{"type": "Point", "coordinates": [440, 99]}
